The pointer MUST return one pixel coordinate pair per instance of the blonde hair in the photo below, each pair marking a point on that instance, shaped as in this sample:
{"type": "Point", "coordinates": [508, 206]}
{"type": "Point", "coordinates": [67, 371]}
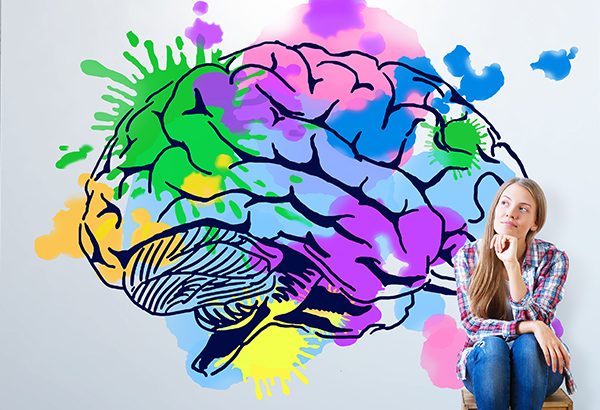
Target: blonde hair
{"type": "Point", "coordinates": [487, 291]}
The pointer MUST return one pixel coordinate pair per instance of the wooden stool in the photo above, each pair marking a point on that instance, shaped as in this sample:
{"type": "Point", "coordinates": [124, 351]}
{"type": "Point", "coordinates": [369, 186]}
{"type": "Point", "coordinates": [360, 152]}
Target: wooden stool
{"type": "Point", "coordinates": [558, 401]}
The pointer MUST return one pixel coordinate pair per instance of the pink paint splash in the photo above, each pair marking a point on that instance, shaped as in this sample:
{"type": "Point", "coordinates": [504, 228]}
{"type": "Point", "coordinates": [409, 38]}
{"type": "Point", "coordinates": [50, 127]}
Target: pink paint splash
{"type": "Point", "coordinates": [400, 40]}
{"type": "Point", "coordinates": [440, 350]}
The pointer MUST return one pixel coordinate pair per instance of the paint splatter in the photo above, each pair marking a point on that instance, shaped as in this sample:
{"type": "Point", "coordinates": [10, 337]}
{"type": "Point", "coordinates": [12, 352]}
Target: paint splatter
{"type": "Point", "coordinates": [327, 18]}
{"type": "Point", "coordinates": [275, 352]}
{"type": "Point", "coordinates": [558, 327]}
{"type": "Point", "coordinates": [202, 34]}
{"type": "Point", "coordinates": [73, 156]}
{"type": "Point", "coordinates": [457, 144]}
{"type": "Point", "coordinates": [475, 87]}
{"type": "Point", "coordinates": [298, 192]}
{"type": "Point", "coordinates": [556, 65]}
{"type": "Point", "coordinates": [444, 342]}
{"type": "Point", "coordinates": [200, 8]}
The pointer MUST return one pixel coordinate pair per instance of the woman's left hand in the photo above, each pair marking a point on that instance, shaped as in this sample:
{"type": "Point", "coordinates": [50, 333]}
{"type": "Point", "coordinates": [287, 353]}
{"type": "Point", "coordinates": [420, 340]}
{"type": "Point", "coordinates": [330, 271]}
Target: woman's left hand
{"type": "Point", "coordinates": [555, 353]}
{"type": "Point", "coordinates": [505, 247]}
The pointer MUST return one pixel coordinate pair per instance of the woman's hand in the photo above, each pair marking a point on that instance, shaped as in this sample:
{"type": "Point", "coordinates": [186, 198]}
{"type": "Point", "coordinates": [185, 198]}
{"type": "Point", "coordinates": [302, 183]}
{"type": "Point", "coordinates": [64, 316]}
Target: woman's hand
{"type": "Point", "coordinates": [505, 247]}
{"type": "Point", "coordinates": [554, 351]}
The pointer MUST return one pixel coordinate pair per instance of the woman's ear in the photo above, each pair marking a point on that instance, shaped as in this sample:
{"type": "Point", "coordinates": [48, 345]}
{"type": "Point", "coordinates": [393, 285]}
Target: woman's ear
{"type": "Point", "coordinates": [534, 227]}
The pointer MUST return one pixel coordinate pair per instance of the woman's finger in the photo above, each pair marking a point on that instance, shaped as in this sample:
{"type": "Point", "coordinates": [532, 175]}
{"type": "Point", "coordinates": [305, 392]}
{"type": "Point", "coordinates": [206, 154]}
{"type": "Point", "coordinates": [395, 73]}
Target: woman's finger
{"type": "Point", "coordinates": [565, 357]}
{"type": "Point", "coordinates": [552, 355]}
{"type": "Point", "coordinates": [546, 354]}
{"type": "Point", "coordinates": [559, 360]}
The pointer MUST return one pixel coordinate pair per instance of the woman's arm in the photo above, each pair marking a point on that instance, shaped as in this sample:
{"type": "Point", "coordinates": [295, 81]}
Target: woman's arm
{"type": "Point", "coordinates": [505, 247]}
{"type": "Point", "coordinates": [550, 276]}
{"type": "Point", "coordinates": [476, 327]}
{"type": "Point", "coordinates": [546, 288]}
{"type": "Point", "coordinates": [535, 310]}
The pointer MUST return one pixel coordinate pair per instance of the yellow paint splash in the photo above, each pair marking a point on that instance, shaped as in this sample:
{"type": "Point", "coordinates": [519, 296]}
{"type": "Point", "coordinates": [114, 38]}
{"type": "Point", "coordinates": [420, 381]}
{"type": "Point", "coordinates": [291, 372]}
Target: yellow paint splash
{"type": "Point", "coordinates": [223, 162]}
{"type": "Point", "coordinates": [336, 319]}
{"type": "Point", "coordinates": [203, 186]}
{"type": "Point", "coordinates": [273, 353]}
{"type": "Point", "coordinates": [146, 228]}
{"type": "Point", "coordinates": [64, 238]}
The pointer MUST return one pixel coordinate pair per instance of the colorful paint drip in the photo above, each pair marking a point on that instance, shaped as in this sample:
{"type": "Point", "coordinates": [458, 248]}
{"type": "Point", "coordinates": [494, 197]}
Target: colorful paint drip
{"type": "Point", "coordinates": [308, 189]}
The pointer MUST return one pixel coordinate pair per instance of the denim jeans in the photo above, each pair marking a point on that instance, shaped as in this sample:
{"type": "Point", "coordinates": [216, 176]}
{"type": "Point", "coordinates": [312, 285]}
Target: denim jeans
{"type": "Point", "coordinates": [500, 375]}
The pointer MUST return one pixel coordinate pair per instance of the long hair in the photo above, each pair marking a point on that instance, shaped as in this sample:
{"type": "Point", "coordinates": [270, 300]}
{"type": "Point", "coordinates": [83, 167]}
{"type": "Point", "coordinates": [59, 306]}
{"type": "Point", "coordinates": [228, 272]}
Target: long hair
{"type": "Point", "coordinates": [488, 291]}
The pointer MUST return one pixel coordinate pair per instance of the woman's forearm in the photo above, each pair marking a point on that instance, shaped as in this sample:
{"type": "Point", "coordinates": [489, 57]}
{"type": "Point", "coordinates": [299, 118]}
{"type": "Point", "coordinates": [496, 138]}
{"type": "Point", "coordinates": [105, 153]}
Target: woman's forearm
{"type": "Point", "coordinates": [527, 326]}
{"type": "Point", "coordinates": [516, 284]}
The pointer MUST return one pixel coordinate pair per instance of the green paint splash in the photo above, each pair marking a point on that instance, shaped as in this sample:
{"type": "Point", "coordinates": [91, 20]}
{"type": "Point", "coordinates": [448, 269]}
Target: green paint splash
{"type": "Point", "coordinates": [291, 216]}
{"type": "Point", "coordinates": [463, 136]}
{"type": "Point", "coordinates": [73, 156]}
{"type": "Point", "coordinates": [133, 93]}
{"type": "Point", "coordinates": [169, 148]}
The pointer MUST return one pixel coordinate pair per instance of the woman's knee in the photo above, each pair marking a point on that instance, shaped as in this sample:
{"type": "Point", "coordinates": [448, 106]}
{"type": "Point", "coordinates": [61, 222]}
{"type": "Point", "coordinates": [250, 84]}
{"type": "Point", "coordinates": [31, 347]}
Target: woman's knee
{"type": "Point", "coordinates": [494, 345]}
{"type": "Point", "coordinates": [526, 348]}
{"type": "Point", "coordinates": [527, 341]}
{"type": "Point", "coordinates": [488, 371]}
{"type": "Point", "coordinates": [493, 348]}
{"type": "Point", "coordinates": [528, 361]}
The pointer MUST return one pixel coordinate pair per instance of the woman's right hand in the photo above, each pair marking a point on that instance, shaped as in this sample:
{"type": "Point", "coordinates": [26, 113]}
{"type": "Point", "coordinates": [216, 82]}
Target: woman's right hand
{"type": "Point", "coordinates": [554, 351]}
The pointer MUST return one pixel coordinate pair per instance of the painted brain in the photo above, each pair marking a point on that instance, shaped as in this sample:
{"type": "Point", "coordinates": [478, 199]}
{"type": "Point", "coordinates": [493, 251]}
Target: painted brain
{"type": "Point", "coordinates": [289, 189]}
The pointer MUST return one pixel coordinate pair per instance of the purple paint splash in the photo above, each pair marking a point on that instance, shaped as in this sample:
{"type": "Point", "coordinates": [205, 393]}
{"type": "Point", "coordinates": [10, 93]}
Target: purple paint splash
{"type": "Point", "coordinates": [328, 17]}
{"type": "Point", "coordinates": [558, 327]}
{"type": "Point", "coordinates": [372, 43]}
{"type": "Point", "coordinates": [200, 8]}
{"type": "Point", "coordinates": [201, 33]}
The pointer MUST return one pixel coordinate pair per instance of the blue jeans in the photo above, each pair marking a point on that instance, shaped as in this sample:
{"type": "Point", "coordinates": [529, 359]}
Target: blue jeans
{"type": "Point", "coordinates": [499, 376]}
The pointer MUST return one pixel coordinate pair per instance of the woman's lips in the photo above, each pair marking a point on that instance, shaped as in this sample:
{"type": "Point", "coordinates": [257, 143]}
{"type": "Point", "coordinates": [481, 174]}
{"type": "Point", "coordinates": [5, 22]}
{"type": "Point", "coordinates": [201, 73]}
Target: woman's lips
{"type": "Point", "coordinates": [509, 223]}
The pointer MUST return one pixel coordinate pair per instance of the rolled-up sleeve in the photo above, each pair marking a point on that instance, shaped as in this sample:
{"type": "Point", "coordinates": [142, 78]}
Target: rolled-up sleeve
{"type": "Point", "coordinates": [539, 303]}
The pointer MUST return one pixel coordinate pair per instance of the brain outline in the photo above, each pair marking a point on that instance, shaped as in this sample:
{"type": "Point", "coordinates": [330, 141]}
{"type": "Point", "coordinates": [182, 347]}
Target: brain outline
{"type": "Point", "coordinates": [309, 251]}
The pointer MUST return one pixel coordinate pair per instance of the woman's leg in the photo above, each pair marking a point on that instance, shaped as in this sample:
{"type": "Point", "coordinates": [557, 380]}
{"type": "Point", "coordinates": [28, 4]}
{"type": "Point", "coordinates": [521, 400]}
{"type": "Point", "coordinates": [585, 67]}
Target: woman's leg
{"type": "Point", "coordinates": [488, 374]}
{"type": "Point", "coordinates": [531, 378]}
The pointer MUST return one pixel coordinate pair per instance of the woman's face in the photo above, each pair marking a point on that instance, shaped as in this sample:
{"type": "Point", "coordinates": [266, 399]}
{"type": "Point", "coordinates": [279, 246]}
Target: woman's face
{"type": "Point", "coordinates": [515, 213]}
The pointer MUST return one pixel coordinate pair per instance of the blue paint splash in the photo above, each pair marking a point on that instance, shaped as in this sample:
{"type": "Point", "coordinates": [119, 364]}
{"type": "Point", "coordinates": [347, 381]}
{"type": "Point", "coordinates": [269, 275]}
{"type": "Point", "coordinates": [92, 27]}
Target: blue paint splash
{"type": "Point", "coordinates": [556, 65]}
{"type": "Point", "coordinates": [473, 86]}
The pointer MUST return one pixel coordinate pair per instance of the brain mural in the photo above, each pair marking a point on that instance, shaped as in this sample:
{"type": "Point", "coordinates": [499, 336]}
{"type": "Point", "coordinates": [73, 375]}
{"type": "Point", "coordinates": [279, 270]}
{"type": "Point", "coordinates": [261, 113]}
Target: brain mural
{"type": "Point", "coordinates": [308, 189]}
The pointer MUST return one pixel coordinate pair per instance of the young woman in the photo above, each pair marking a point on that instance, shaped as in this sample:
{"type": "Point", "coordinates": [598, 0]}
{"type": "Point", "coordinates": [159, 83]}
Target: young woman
{"type": "Point", "coordinates": [508, 286]}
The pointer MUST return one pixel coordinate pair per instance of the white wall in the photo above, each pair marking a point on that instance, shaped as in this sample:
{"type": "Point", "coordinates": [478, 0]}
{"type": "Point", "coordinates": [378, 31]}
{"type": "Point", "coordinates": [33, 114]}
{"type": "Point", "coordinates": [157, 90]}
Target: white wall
{"type": "Point", "coordinates": [68, 342]}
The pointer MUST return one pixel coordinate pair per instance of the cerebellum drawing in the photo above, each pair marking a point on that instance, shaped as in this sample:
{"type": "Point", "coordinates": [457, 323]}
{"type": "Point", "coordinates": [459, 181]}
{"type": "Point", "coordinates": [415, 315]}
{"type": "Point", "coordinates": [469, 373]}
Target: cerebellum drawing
{"type": "Point", "coordinates": [308, 189]}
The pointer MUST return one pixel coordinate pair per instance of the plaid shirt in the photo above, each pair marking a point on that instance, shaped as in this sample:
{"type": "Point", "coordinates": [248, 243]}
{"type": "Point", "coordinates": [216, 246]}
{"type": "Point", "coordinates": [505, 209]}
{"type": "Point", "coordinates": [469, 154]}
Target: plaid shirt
{"type": "Point", "coordinates": [544, 273]}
